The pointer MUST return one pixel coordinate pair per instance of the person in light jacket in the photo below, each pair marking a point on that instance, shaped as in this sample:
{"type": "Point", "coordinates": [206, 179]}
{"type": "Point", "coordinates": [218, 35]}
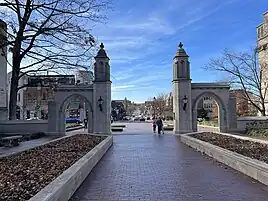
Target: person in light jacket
{"type": "Point", "coordinates": [154, 125]}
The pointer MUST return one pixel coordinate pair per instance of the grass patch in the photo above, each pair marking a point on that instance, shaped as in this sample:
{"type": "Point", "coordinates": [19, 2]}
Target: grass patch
{"type": "Point", "coordinates": [72, 125]}
{"type": "Point", "coordinates": [257, 132]}
{"type": "Point", "coordinates": [213, 123]}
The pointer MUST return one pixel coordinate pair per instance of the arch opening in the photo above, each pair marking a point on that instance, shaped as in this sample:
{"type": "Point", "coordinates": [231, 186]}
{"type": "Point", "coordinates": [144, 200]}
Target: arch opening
{"type": "Point", "coordinates": [209, 110]}
{"type": "Point", "coordinates": [75, 110]}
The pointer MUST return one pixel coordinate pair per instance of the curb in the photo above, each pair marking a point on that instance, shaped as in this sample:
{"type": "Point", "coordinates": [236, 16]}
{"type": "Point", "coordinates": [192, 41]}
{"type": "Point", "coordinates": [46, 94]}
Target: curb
{"type": "Point", "coordinates": [65, 185]}
{"type": "Point", "coordinates": [206, 126]}
{"type": "Point", "coordinates": [74, 128]}
{"type": "Point", "coordinates": [253, 168]}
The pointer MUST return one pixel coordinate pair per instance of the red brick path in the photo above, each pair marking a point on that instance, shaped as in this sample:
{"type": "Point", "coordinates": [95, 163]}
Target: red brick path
{"type": "Point", "coordinates": [149, 167]}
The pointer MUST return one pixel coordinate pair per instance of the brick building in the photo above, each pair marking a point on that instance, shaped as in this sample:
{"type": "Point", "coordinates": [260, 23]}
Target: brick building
{"type": "Point", "coordinates": [243, 105]}
{"type": "Point", "coordinates": [37, 90]}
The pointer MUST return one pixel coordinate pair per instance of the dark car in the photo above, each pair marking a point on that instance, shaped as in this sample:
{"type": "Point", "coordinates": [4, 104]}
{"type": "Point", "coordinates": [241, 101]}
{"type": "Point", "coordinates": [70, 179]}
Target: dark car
{"type": "Point", "coordinates": [70, 120]}
{"type": "Point", "coordinates": [142, 119]}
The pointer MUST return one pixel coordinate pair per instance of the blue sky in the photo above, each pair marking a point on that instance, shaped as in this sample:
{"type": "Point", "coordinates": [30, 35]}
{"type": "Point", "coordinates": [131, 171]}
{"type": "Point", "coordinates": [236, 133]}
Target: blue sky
{"type": "Point", "coordinates": [141, 38]}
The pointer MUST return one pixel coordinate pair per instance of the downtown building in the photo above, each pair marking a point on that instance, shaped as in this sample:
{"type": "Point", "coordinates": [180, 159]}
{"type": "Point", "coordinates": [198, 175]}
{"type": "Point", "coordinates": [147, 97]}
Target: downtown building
{"type": "Point", "coordinates": [35, 91]}
{"type": "Point", "coordinates": [262, 47]}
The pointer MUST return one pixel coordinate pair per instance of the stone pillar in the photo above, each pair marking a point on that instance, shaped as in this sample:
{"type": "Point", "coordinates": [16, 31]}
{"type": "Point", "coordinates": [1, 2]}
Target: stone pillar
{"type": "Point", "coordinates": [194, 123]}
{"type": "Point", "coordinates": [82, 114]}
{"type": "Point", "coordinates": [183, 118]}
{"type": "Point", "coordinates": [52, 118]}
{"type": "Point", "coordinates": [90, 122]}
{"type": "Point", "coordinates": [102, 93]}
{"type": "Point", "coordinates": [182, 90]}
{"type": "Point", "coordinates": [232, 112]}
{"type": "Point", "coordinates": [223, 127]}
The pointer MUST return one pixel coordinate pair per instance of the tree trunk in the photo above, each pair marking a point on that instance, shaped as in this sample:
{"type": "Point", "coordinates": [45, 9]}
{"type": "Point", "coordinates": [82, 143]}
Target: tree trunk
{"type": "Point", "coordinates": [13, 96]}
{"type": "Point", "coordinates": [263, 109]}
{"type": "Point", "coordinates": [14, 86]}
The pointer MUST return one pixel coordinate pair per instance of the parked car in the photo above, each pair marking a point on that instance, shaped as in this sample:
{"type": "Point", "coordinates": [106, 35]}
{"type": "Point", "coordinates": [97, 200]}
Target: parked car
{"type": "Point", "coordinates": [125, 118]}
{"type": "Point", "coordinates": [200, 119]}
{"type": "Point", "coordinates": [33, 118]}
{"type": "Point", "coordinates": [142, 119]}
{"type": "Point", "coordinates": [136, 118]}
{"type": "Point", "coordinates": [73, 120]}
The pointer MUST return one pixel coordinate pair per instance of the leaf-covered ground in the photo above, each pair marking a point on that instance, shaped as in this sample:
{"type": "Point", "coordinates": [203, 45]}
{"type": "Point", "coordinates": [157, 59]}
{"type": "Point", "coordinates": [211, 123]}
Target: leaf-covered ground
{"type": "Point", "coordinates": [247, 148]}
{"type": "Point", "coordinates": [25, 174]}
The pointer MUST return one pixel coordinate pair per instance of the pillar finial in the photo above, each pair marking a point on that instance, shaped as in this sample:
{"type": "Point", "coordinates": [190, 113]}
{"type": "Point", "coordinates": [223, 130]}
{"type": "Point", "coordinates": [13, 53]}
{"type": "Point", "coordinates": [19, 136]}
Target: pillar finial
{"type": "Point", "coordinates": [101, 46]}
{"type": "Point", "coordinates": [180, 45]}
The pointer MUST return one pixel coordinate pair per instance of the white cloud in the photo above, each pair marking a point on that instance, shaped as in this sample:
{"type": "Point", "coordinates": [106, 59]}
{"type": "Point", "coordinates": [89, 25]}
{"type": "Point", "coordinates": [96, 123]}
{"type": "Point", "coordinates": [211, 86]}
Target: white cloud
{"type": "Point", "coordinates": [122, 87]}
{"type": "Point", "coordinates": [151, 24]}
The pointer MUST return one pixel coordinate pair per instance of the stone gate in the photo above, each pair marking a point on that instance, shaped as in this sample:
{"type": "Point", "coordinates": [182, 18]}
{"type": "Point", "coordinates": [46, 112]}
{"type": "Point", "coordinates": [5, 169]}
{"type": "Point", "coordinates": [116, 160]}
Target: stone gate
{"type": "Point", "coordinates": [96, 95]}
{"type": "Point", "coordinates": [186, 96]}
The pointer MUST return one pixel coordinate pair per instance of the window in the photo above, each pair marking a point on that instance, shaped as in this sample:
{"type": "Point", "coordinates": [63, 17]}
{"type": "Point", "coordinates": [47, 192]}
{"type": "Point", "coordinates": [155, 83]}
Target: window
{"type": "Point", "coordinates": [18, 96]}
{"type": "Point", "coordinates": [259, 32]}
{"type": "Point", "coordinates": [265, 47]}
{"type": "Point", "coordinates": [262, 31]}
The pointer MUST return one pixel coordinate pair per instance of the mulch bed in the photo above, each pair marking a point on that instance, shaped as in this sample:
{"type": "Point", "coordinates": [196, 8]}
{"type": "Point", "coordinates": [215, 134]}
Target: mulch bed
{"type": "Point", "coordinates": [247, 148]}
{"type": "Point", "coordinates": [25, 174]}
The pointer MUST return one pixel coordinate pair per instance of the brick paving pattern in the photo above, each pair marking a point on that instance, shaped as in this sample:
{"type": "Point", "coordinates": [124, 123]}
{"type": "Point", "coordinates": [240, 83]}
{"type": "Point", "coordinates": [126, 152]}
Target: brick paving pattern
{"type": "Point", "coordinates": [151, 167]}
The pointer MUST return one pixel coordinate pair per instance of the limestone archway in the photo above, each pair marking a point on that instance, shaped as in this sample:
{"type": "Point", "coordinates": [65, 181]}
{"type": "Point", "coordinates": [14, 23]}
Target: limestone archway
{"type": "Point", "coordinates": [62, 108]}
{"type": "Point", "coordinates": [222, 110]}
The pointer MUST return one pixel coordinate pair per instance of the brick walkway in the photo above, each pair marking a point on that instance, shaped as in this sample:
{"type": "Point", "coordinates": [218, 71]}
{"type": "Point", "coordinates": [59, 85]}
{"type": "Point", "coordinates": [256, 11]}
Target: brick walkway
{"type": "Point", "coordinates": [150, 167]}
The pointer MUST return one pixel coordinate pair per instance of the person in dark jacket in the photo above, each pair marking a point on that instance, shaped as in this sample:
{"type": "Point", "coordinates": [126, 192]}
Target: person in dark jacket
{"type": "Point", "coordinates": [159, 124]}
{"type": "Point", "coordinates": [85, 123]}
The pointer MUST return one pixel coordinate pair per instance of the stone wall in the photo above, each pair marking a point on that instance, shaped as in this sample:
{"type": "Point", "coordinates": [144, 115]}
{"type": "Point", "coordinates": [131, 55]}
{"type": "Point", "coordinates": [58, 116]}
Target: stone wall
{"type": "Point", "coordinates": [23, 126]}
{"type": "Point", "coordinates": [243, 121]}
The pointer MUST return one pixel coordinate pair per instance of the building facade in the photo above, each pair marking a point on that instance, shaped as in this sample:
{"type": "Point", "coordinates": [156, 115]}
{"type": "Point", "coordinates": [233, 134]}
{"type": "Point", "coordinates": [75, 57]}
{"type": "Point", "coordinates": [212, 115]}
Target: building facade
{"type": "Point", "coordinates": [208, 103]}
{"type": "Point", "coordinates": [262, 44]}
{"type": "Point", "coordinates": [243, 105]}
{"type": "Point", "coordinates": [37, 90]}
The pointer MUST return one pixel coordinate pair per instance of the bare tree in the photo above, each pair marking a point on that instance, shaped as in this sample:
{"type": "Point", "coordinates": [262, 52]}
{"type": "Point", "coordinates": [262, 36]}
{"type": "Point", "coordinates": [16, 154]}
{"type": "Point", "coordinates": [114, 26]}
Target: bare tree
{"type": "Point", "coordinates": [244, 72]}
{"type": "Point", "coordinates": [130, 109]}
{"type": "Point", "coordinates": [45, 35]}
{"type": "Point", "coordinates": [160, 104]}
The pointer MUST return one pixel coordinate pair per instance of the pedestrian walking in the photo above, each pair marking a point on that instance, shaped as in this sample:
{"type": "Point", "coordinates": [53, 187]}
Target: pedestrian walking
{"type": "Point", "coordinates": [154, 125]}
{"type": "Point", "coordinates": [159, 124]}
{"type": "Point", "coordinates": [85, 123]}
